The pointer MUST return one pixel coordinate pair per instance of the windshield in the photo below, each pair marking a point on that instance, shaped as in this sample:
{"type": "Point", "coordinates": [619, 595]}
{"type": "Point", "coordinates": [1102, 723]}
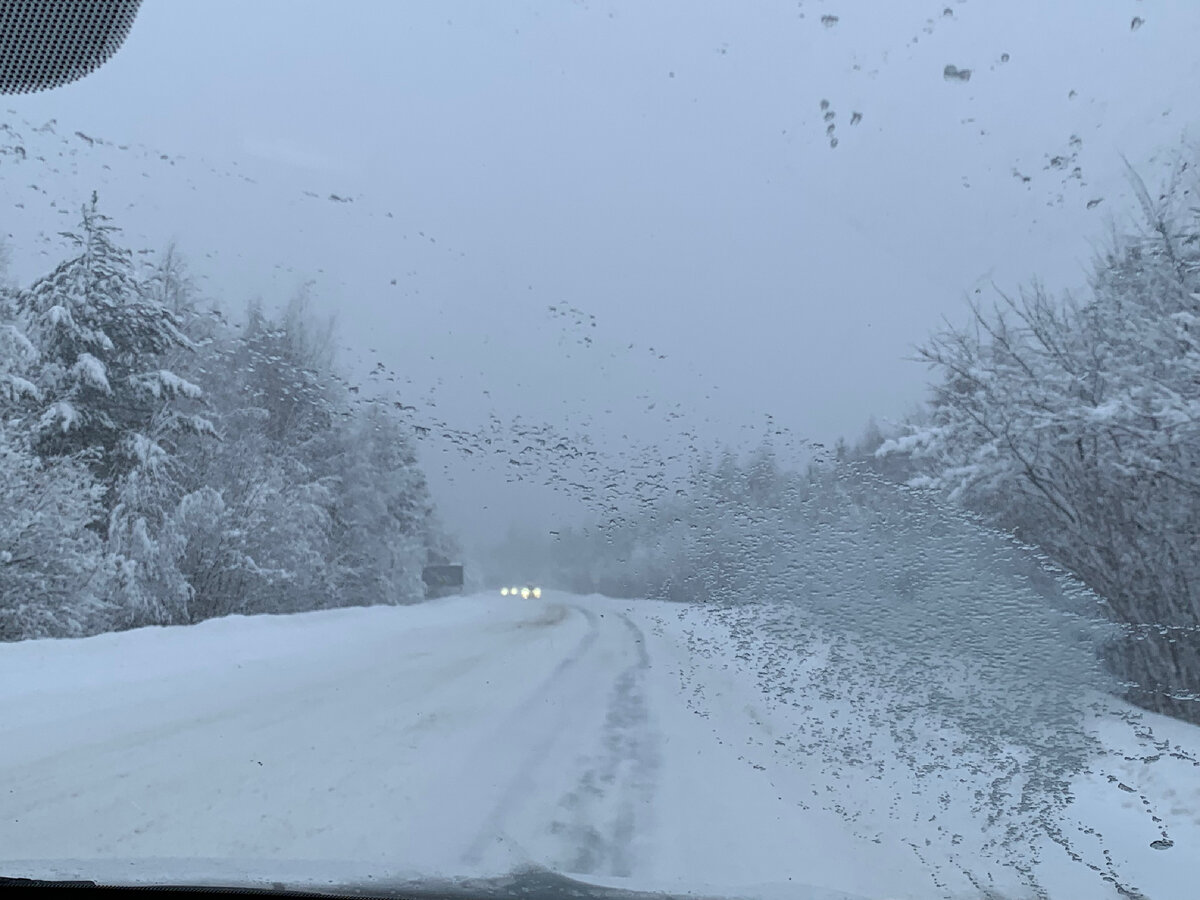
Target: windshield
{"type": "Point", "coordinates": [726, 449]}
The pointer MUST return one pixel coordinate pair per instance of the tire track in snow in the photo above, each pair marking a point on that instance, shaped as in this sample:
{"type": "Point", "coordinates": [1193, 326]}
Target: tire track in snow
{"type": "Point", "coordinates": [522, 783]}
{"type": "Point", "coordinates": [621, 777]}
{"type": "Point", "coordinates": [596, 821]}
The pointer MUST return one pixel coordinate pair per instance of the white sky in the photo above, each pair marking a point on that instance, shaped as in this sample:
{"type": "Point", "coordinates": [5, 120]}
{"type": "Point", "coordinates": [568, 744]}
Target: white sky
{"type": "Point", "coordinates": [663, 166]}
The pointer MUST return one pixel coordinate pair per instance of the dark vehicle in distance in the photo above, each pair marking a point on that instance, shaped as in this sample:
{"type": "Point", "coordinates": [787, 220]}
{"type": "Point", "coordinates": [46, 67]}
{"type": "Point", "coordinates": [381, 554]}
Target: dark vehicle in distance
{"type": "Point", "coordinates": [442, 581]}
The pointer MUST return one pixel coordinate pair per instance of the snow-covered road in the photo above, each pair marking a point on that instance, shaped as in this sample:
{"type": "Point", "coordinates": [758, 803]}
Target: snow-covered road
{"type": "Point", "coordinates": [465, 737]}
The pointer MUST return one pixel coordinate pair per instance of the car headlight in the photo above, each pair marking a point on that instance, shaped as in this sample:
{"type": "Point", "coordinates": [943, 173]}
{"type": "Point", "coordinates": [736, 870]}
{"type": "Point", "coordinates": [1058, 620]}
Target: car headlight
{"type": "Point", "coordinates": [503, 592]}
{"type": "Point", "coordinates": [525, 593]}
{"type": "Point", "coordinates": [537, 592]}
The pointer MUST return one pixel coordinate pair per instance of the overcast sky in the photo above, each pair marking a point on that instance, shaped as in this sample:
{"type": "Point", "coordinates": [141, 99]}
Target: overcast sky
{"type": "Point", "coordinates": [663, 166]}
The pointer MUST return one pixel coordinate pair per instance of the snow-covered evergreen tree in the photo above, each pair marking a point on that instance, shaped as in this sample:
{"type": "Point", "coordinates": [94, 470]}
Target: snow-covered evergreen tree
{"type": "Point", "coordinates": [18, 360]}
{"type": "Point", "coordinates": [103, 394]}
{"type": "Point", "coordinates": [54, 574]}
{"type": "Point", "coordinates": [271, 493]}
{"type": "Point", "coordinates": [101, 339]}
{"type": "Point", "coordinates": [382, 512]}
{"type": "Point", "coordinates": [255, 513]}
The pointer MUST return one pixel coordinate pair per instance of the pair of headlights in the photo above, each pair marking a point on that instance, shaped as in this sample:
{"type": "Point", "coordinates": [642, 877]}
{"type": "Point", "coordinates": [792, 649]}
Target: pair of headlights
{"type": "Point", "coordinates": [525, 592]}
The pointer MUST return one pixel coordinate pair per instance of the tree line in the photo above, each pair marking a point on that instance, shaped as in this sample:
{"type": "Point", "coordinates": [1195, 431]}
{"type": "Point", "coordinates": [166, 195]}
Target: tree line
{"type": "Point", "coordinates": [162, 463]}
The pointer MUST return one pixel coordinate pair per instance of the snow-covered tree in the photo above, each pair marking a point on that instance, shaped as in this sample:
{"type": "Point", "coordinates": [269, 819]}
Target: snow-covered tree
{"type": "Point", "coordinates": [53, 575]}
{"type": "Point", "coordinates": [1076, 423]}
{"type": "Point", "coordinates": [306, 501]}
{"type": "Point", "coordinates": [18, 358]}
{"type": "Point", "coordinates": [286, 364]}
{"type": "Point", "coordinates": [101, 338]}
{"type": "Point", "coordinates": [53, 570]}
{"type": "Point", "coordinates": [270, 493]}
{"type": "Point", "coordinates": [145, 542]}
{"type": "Point", "coordinates": [255, 513]}
{"type": "Point", "coordinates": [170, 283]}
{"type": "Point", "coordinates": [381, 511]}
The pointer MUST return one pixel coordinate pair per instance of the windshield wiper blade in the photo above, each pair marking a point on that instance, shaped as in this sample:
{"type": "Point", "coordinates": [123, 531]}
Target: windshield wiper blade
{"type": "Point", "coordinates": [40, 882]}
{"type": "Point", "coordinates": [532, 883]}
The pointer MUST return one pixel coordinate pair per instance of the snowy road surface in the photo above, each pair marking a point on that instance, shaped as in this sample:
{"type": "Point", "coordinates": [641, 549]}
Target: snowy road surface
{"type": "Point", "coordinates": [468, 736]}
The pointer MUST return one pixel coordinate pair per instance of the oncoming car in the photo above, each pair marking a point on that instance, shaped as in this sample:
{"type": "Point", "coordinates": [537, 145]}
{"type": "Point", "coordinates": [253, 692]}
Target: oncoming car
{"type": "Point", "coordinates": [524, 592]}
